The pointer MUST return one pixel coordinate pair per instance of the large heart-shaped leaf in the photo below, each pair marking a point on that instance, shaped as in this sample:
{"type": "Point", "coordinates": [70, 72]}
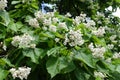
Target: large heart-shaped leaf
{"type": "Point", "coordinates": [59, 65]}
{"type": "Point", "coordinates": [84, 57]}
{"type": "Point", "coordinates": [34, 54]}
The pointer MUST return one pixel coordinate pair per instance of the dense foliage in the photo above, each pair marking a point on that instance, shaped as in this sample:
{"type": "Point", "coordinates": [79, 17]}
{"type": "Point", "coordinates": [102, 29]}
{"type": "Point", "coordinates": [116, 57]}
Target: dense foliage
{"type": "Point", "coordinates": [51, 46]}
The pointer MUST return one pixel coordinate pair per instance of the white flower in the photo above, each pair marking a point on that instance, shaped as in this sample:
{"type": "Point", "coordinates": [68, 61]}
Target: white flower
{"type": "Point", "coordinates": [66, 39]}
{"type": "Point", "coordinates": [108, 60]}
{"type": "Point", "coordinates": [74, 38]}
{"type": "Point", "coordinates": [44, 28]}
{"type": "Point", "coordinates": [33, 22]}
{"type": "Point", "coordinates": [15, 41]}
{"type": "Point", "coordinates": [90, 46]}
{"type": "Point", "coordinates": [62, 25]}
{"type": "Point", "coordinates": [68, 15]}
{"type": "Point", "coordinates": [83, 15]}
{"type": "Point", "coordinates": [100, 32]}
{"type": "Point", "coordinates": [39, 15]}
{"type": "Point", "coordinates": [23, 41]}
{"type": "Point", "coordinates": [3, 4]}
{"type": "Point", "coordinates": [47, 22]}
{"type": "Point", "coordinates": [52, 28]}
{"type": "Point", "coordinates": [4, 47]}
{"type": "Point", "coordinates": [49, 14]}
{"type": "Point", "coordinates": [116, 55]}
{"type": "Point", "coordinates": [21, 72]}
{"type": "Point", "coordinates": [97, 52]}
{"type": "Point", "coordinates": [100, 14]}
{"type": "Point", "coordinates": [99, 74]}
{"type": "Point", "coordinates": [32, 45]}
{"type": "Point", "coordinates": [12, 70]}
{"type": "Point", "coordinates": [89, 23]}
{"type": "Point", "coordinates": [113, 37]}
{"type": "Point", "coordinates": [55, 20]}
{"type": "Point", "coordinates": [57, 39]}
{"type": "Point", "coordinates": [77, 20]}
{"type": "Point", "coordinates": [110, 46]}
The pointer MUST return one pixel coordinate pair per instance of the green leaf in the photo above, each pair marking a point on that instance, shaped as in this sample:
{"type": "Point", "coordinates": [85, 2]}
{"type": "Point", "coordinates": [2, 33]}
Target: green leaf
{"type": "Point", "coordinates": [34, 54]}
{"type": "Point", "coordinates": [59, 65]}
{"type": "Point", "coordinates": [116, 61]}
{"type": "Point", "coordinates": [12, 26]}
{"type": "Point", "coordinates": [98, 78]}
{"type": "Point", "coordinates": [81, 75]}
{"type": "Point", "coordinates": [3, 74]}
{"type": "Point", "coordinates": [6, 61]}
{"type": "Point", "coordinates": [15, 2]}
{"type": "Point", "coordinates": [118, 1]}
{"type": "Point", "coordinates": [58, 35]}
{"type": "Point", "coordinates": [46, 34]}
{"type": "Point", "coordinates": [118, 68]}
{"type": "Point", "coordinates": [99, 41]}
{"type": "Point", "coordinates": [85, 58]}
{"type": "Point", "coordinates": [2, 35]}
{"type": "Point", "coordinates": [52, 66]}
{"type": "Point", "coordinates": [70, 67]}
{"type": "Point", "coordinates": [114, 76]}
{"type": "Point", "coordinates": [40, 53]}
{"type": "Point", "coordinates": [5, 17]}
{"type": "Point", "coordinates": [53, 51]}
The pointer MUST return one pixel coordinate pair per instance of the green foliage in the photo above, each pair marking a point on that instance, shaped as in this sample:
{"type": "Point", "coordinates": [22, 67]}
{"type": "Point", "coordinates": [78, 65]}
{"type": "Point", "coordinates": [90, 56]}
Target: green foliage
{"type": "Point", "coordinates": [60, 47]}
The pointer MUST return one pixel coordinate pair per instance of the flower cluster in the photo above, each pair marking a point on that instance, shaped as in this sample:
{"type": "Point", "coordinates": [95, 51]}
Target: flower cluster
{"type": "Point", "coordinates": [49, 21]}
{"type": "Point", "coordinates": [97, 52]}
{"type": "Point", "coordinates": [89, 23]}
{"type": "Point", "coordinates": [79, 19]}
{"type": "Point", "coordinates": [99, 32]}
{"type": "Point", "coordinates": [3, 4]}
{"type": "Point", "coordinates": [42, 16]}
{"type": "Point", "coordinates": [110, 46]}
{"type": "Point", "coordinates": [21, 72]}
{"type": "Point", "coordinates": [116, 55]}
{"type": "Point", "coordinates": [74, 38]}
{"type": "Point", "coordinates": [33, 22]}
{"type": "Point", "coordinates": [23, 41]}
{"type": "Point", "coordinates": [63, 26]}
{"type": "Point", "coordinates": [52, 28]}
{"type": "Point", "coordinates": [44, 19]}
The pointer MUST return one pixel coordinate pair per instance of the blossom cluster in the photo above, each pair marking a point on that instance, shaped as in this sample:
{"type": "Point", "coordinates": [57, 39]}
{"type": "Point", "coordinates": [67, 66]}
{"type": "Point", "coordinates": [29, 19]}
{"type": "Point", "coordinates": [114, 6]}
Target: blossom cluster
{"type": "Point", "coordinates": [24, 41]}
{"type": "Point", "coordinates": [48, 21]}
{"type": "Point", "coordinates": [116, 55]}
{"type": "Point", "coordinates": [21, 72]}
{"type": "Point", "coordinates": [74, 38]}
{"type": "Point", "coordinates": [3, 4]}
{"type": "Point", "coordinates": [98, 51]}
{"type": "Point", "coordinates": [99, 32]}
{"type": "Point", "coordinates": [33, 22]}
{"type": "Point", "coordinates": [79, 19]}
